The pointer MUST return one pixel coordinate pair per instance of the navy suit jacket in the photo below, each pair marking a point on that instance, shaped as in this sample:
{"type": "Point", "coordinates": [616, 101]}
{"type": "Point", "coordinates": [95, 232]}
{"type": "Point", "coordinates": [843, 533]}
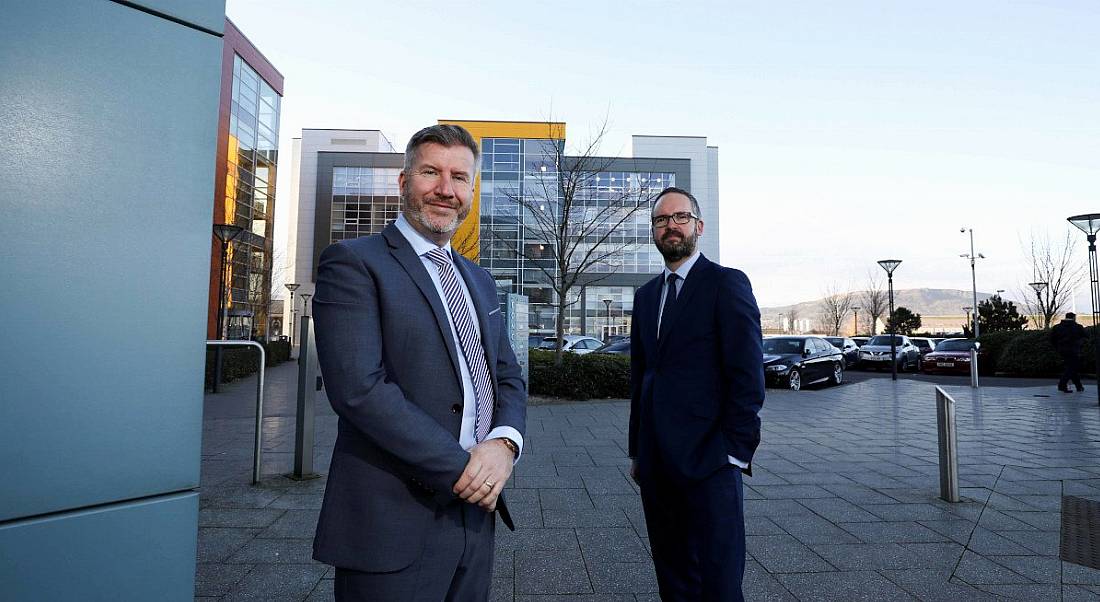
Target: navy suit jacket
{"type": "Point", "coordinates": [391, 372]}
{"type": "Point", "coordinates": [696, 392]}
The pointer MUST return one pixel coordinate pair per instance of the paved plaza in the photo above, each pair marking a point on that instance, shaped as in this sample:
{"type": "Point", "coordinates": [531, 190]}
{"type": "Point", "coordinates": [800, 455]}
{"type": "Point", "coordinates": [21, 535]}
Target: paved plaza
{"type": "Point", "coordinates": [843, 504]}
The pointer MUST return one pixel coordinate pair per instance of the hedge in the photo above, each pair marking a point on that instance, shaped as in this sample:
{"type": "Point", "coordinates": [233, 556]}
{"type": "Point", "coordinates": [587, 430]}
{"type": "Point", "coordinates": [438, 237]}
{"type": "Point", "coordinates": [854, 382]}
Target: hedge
{"type": "Point", "coordinates": [589, 376]}
{"type": "Point", "coordinates": [239, 362]}
{"type": "Point", "coordinates": [1029, 353]}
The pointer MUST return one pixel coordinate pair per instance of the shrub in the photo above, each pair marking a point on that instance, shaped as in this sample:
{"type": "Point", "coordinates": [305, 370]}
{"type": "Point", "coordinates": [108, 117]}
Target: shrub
{"type": "Point", "coordinates": [589, 376]}
{"type": "Point", "coordinates": [993, 344]}
{"type": "Point", "coordinates": [1030, 354]}
{"type": "Point", "coordinates": [239, 362]}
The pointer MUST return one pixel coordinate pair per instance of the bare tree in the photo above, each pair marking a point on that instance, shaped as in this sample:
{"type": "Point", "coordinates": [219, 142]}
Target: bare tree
{"type": "Point", "coordinates": [575, 228]}
{"type": "Point", "coordinates": [834, 307]}
{"type": "Point", "coordinates": [874, 301]}
{"type": "Point", "coordinates": [792, 318]}
{"type": "Point", "coordinates": [1055, 263]}
{"type": "Point", "coordinates": [468, 244]}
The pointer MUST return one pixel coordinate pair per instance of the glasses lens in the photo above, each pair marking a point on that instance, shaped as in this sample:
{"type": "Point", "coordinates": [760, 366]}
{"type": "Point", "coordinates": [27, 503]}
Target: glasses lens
{"type": "Point", "coordinates": [682, 218]}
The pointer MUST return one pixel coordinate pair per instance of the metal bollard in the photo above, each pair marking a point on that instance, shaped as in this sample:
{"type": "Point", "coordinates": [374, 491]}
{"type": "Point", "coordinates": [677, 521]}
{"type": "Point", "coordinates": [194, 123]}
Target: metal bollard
{"type": "Point", "coordinates": [948, 445]}
{"type": "Point", "coordinates": [308, 384]}
{"type": "Point", "coordinates": [974, 368]}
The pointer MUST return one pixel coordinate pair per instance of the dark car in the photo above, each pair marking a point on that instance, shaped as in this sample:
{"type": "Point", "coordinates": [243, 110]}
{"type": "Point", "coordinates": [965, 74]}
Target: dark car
{"type": "Point", "coordinates": [796, 361]}
{"type": "Point", "coordinates": [848, 347]}
{"type": "Point", "coordinates": [619, 347]}
{"type": "Point", "coordinates": [951, 356]}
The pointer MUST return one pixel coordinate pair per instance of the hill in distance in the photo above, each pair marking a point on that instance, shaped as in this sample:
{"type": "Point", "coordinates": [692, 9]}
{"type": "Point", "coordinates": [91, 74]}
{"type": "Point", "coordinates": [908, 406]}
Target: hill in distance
{"type": "Point", "coordinates": [924, 301]}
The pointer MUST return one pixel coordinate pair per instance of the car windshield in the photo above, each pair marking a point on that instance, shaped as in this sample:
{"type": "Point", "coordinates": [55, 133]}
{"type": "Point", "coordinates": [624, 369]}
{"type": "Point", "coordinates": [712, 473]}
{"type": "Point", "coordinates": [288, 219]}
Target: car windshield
{"type": "Point", "coordinates": [884, 340]}
{"type": "Point", "coordinates": [616, 346]}
{"type": "Point", "coordinates": [955, 346]}
{"type": "Point", "coordinates": [781, 346]}
{"type": "Point", "coordinates": [549, 343]}
{"type": "Point", "coordinates": [836, 342]}
{"type": "Point", "coordinates": [922, 344]}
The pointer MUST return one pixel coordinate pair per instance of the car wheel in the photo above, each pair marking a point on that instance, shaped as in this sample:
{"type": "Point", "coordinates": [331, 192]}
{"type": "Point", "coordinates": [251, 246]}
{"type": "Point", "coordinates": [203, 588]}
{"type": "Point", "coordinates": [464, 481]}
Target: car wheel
{"type": "Point", "coordinates": [838, 373]}
{"type": "Point", "coordinates": [794, 380]}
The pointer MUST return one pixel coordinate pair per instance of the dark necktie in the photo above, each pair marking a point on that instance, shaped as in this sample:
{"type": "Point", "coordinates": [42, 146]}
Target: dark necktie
{"type": "Point", "coordinates": [670, 300]}
{"type": "Point", "coordinates": [468, 339]}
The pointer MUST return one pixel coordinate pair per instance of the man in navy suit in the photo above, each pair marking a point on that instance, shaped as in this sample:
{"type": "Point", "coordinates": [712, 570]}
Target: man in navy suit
{"type": "Point", "coordinates": [430, 399]}
{"type": "Point", "coordinates": [697, 384]}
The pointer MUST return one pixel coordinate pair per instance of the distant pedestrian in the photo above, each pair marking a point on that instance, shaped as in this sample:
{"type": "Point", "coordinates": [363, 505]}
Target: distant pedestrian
{"type": "Point", "coordinates": [1067, 337]}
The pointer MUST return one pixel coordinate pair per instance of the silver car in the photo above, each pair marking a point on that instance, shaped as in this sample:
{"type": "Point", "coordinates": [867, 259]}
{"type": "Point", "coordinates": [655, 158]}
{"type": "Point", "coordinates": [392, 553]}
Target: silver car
{"type": "Point", "coordinates": [574, 343]}
{"type": "Point", "coordinates": [876, 353]}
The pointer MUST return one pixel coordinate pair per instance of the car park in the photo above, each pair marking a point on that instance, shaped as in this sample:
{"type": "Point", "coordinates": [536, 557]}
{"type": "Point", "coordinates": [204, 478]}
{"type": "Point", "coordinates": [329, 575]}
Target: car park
{"type": "Point", "coordinates": [574, 343]}
{"type": "Point", "coordinates": [876, 353]}
{"type": "Point", "coordinates": [925, 344]}
{"type": "Point", "coordinates": [861, 341]}
{"type": "Point", "coordinates": [794, 362]}
{"type": "Point", "coordinates": [951, 356]}
{"type": "Point", "coordinates": [847, 347]}
{"type": "Point", "coordinates": [616, 347]}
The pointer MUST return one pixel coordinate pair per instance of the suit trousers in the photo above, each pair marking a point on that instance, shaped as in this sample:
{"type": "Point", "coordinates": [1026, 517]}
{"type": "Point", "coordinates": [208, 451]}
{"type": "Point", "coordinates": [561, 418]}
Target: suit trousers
{"type": "Point", "coordinates": [1070, 372]}
{"type": "Point", "coordinates": [456, 564]}
{"type": "Point", "coordinates": [697, 534]}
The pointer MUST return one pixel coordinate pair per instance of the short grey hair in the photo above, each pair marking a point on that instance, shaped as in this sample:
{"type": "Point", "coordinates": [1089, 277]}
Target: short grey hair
{"type": "Point", "coordinates": [674, 190]}
{"type": "Point", "coordinates": [445, 135]}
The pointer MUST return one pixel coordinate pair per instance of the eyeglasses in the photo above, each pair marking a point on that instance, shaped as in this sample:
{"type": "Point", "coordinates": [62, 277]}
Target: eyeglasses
{"type": "Point", "coordinates": [680, 217]}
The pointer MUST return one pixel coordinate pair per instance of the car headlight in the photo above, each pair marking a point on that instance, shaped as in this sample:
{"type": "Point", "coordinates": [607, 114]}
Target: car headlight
{"type": "Point", "coordinates": [963, 359]}
{"type": "Point", "coordinates": [778, 368]}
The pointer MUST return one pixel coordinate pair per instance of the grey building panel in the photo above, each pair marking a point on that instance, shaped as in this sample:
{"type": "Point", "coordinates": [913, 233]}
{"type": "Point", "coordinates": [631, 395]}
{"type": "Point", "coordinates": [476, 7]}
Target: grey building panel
{"type": "Point", "coordinates": [134, 551]}
{"type": "Point", "coordinates": [325, 162]}
{"type": "Point", "coordinates": [680, 167]}
{"type": "Point", "coordinates": [206, 14]}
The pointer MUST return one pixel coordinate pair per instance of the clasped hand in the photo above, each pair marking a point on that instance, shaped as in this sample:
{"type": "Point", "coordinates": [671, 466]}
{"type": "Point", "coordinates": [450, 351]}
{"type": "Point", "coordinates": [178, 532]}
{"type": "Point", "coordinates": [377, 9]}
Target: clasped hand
{"type": "Point", "coordinates": [486, 472]}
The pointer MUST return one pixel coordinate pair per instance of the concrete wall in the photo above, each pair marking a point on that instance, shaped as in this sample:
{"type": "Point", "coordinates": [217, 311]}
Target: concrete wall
{"type": "Point", "coordinates": [106, 188]}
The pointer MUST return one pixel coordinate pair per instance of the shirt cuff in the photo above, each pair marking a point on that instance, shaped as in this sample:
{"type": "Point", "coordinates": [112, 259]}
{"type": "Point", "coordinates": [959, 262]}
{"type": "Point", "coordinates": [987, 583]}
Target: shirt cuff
{"type": "Point", "coordinates": [507, 432]}
{"type": "Point", "coordinates": [738, 463]}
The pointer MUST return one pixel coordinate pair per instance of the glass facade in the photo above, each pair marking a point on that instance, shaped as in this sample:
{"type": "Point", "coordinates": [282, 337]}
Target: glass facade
{"type": "Point", "coordinates": [364, 200]}
{"type": "Point", "coordinates": [518, 257]}
{"type": "Point", "coordinates": [249, 198]}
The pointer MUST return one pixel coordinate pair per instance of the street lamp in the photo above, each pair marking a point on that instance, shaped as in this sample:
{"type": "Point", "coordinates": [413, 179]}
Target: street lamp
{"type": "Point", "coordinates": [292, 286]}
{"type": "Point", "coordinates": [1089, 223]}
{"type": "Point", "coordinates": [975, 328]}
{"type": "Point", "coordinates": [607, 306]}
{"type": "Point", "coordinates": [1039, 287]}
{"type": "Point", "coordinates": [305, 304]}
{"type": "Point", "coordinates": [855, 321]}
{"type": "Point", "coordinates": [967, 309]}
{"type": "Point", "coordinates": [999, 291]}
{"type": "Point", "coordinates": [225, 233]}
{"type": "Point", "coordinates": [890, 265]}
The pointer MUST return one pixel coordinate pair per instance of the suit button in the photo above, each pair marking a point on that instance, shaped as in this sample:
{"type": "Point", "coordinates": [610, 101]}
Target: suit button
{"type": "Point", "coordinates": [456, 408]}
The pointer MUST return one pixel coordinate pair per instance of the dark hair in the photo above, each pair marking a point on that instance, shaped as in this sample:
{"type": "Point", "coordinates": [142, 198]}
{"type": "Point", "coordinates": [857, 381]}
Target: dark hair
{"type": "Point", "coordinates": [675, 190]}
{"type": "Point", "coordinates": [1071, 316]}
{"type": "Point", "coordinates": [446, 135]}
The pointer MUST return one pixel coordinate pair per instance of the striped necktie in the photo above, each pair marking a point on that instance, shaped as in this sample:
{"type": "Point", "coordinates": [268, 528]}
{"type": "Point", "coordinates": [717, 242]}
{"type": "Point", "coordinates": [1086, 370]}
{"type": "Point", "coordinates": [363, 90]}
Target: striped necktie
{"type": "Point", "coordinates": [469, 339]}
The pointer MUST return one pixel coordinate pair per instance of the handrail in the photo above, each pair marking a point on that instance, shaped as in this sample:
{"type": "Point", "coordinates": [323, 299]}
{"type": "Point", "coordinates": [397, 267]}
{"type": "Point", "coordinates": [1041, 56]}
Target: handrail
{"type": "Point", "coordinates": [259, 400]}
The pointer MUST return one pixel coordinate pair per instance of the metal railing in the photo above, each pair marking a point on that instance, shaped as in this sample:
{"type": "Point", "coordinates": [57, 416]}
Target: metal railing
{"type": "Point", "coordinates": [257, 450]}
{"type": "Point", "coordinates": [948, 446]}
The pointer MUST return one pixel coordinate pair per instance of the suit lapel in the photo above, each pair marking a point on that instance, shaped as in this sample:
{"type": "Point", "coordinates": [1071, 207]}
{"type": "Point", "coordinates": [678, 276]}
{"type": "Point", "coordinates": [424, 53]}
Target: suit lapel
{"type": "Point", "coordinates": [403, 252]}
{"type": "Point", "coordinates": [647, 303]}
{"type": "Point", "coordinates": [691, 284]}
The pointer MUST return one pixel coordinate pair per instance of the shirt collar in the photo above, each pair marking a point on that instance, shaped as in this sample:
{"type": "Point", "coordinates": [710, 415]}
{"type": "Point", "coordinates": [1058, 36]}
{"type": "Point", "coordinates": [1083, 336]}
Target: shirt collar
{"type": "Point", "coordinates": [684, 268]}
{"type": "Point", "coordinates": [419, 243]}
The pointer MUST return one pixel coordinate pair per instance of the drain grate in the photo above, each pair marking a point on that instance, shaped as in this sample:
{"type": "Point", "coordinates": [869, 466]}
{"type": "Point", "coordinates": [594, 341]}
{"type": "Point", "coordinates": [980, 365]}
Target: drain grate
{"type": "Point", "coordinates": [1080, 537]}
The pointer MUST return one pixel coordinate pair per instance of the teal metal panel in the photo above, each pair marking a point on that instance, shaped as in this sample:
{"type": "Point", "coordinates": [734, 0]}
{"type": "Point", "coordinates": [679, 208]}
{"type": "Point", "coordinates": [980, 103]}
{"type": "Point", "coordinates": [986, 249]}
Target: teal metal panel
{"type": "Point", "coordinates": [106, 202]}
{"type": "Point", "coordinates": [133, 551]}
{"type": "Point", "coordinates": [208, 15]}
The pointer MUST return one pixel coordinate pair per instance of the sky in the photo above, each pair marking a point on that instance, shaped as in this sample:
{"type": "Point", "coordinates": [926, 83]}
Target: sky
{"type": "Point", "coordinates": [847, 131]}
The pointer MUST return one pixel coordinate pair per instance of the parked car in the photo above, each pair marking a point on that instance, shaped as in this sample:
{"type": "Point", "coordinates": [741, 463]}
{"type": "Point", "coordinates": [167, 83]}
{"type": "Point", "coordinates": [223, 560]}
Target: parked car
{"type": "Point", "coordinates": [796, 361]}
{"type": "Point", "coordinates": [618, 347]}
{"type": "Point", "coordinates": [848, 347]}
{"type": "Point", "coordinates": [925, 344]}
{"type": "Point", "coordinates": [574, 343]}
{"type": "Point", "coordinates": [952, 356]}
{"type": "Point", "coordinates": [861, 341]}
{"type": "Point", "coordinates": [876, 353]}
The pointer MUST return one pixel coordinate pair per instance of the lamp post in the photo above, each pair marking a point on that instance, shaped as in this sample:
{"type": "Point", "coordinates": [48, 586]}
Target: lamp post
{"type": "Point", "coordinates": [1089, 223]}
{"type": "Point", "coordinates": [1039, 287]}
{"type": "Point", "coordinates": [225, 233]}
{"type": "Point", "coordinates": [890, 265]}
{"type": "Point", "coordinates": [607, 325]}
{"type": "Point", "coordinates": [305, 303]}
{"type": "Point", "coordinates": [975, 327]}
{"type": "Point", "coordinates": [999, 291]}
{"type": "Point", "coordinates": [292, 286]}
{"type": "Point", "coordinates": [967, 309]}
{"type": "Point", "coordinates": [855, 321]}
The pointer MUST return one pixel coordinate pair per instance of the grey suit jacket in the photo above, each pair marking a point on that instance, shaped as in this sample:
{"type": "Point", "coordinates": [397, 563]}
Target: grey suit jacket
{"type": "Point", "coordinates": [391, 371]}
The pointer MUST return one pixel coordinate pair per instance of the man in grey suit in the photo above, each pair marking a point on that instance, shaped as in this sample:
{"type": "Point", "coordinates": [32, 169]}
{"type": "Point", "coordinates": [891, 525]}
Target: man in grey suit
{"type": "Point", "coordinates": [430, 399]}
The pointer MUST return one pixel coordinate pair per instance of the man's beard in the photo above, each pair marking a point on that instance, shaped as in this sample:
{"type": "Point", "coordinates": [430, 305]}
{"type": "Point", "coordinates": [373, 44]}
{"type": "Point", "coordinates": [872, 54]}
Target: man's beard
{"type": "Point", "coordinates": [676, 250]}
{"type": "Point", "coordinates": [416, 212]}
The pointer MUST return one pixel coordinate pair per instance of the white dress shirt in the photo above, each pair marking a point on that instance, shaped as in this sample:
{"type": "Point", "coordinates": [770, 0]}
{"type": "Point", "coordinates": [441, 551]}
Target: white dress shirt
{"type": "Point", "coordinates": [682, 272]}
{"type": "Point", "coordinates": [421, 246]}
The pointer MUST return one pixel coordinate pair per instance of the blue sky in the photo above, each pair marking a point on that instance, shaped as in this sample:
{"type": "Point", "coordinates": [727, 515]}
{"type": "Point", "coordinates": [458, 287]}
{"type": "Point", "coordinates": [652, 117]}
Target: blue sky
{"type": "Point", "coordinates": [848, 131]}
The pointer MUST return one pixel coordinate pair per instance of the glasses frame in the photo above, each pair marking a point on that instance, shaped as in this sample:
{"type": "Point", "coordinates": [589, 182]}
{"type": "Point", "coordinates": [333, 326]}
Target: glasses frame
{"type": "Point", "coordinates": [661, 221]}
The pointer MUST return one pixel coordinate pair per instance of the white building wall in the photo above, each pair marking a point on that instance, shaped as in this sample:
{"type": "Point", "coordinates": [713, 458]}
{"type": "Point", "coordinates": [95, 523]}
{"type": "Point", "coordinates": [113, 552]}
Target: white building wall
{"type": "Point", "coordinates": [303, 198]}
{"type": "Point", "coordinates": [704, 177]}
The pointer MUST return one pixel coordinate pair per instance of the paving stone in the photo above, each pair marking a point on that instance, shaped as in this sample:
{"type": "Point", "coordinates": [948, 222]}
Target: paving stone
{"type": "Point", "coordinates": [865, 556]}
{"type": "Point", "coordinates": [1043, 543]}
{"type": "Point", "coordinates": [838, 510]}
{"type": "Point", "coordinates": [784, 554]}
{"type": "Point", "coordinates": [810, 529]}
{"type": "Point", "coordinates": [323, 592]}
{"type": "Point", "coordinates": [535, 539]}
{"type": "Point", "coordinates": [931, 585]}
{"type": "Point", "coordinates": [759, 585]}
{"type": "Point", "coordinates": [243, 518]}
{"type": "Point", "coordinates": [1023, 591]}
{"type": "Point", "coordinates": [957, 530]}
{"type": "Point", "coordinates": [850, 585]}
{"type": "Point", "coordinates": [893, 532]}
{"type": "Point", "coordinates": [216, 579]}
{"type": "Point", "coordinates": [978, 570]}
{"type": "Point", "coordinates": [218, 544]}
{"type": "Point", "coordinates": [572, 518]}
{"type": "Point", "coordinates": [793, 491]}
{"type": "Point", "coordinates": [612, 546]}
{"type": "Point", "coordinates": [277, 551]}
{"type": "Point", "coordinates": [277, 582]}
{"type": "Point", "coordinates": [290, 501]}
{"type": "Point", "coordinates": [622, 577]}
{"type": "Point", "coordinates": [1075, 573]}
{"type": "Point", "coordinates": [762, 526]}
{"type": "Point", "coordinates": [294, 523]}
{"type": "Point", "coordinates": [1040, 569]}
{"type": "Point", "coordinates": [551, 572]}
